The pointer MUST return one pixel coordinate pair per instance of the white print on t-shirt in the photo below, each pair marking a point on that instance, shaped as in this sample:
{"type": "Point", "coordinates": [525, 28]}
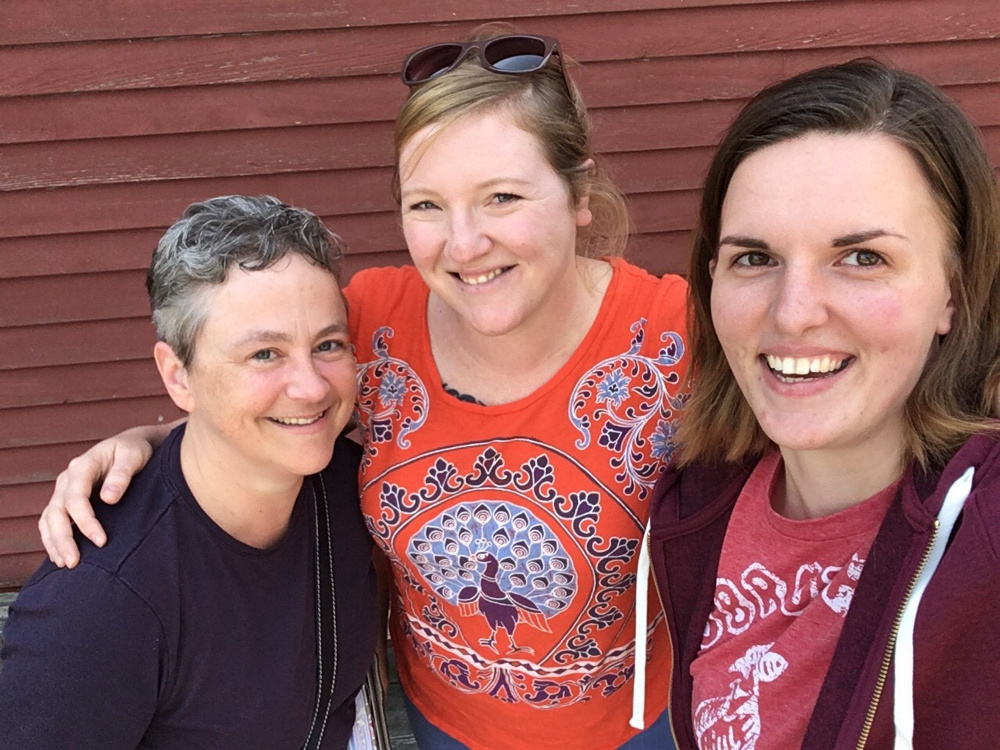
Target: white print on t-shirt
{"type": "Point", "coordinates": [760, 593]}
{"type": "Point", "coordinates": [732, 722]}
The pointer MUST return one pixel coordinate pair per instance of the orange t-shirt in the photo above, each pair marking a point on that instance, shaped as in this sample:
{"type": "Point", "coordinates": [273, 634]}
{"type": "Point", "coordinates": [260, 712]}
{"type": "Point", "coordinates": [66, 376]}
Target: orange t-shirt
{"type": "Point", "coordinates": [782, 592]}
{"type": "Point", "coordinates": [513, 531]}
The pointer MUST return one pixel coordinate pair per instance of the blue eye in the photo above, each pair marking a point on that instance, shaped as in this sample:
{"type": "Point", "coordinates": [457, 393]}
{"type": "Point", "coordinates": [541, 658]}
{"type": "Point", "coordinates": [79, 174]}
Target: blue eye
{"type": "Point", "coordinates": [506, 197]}
{"type": "Point", "coordinates": [264, 355]}
{"type": "Point", "coordinates": [330, 346]}
{"type": "Point", "coordinates": [423, 206]}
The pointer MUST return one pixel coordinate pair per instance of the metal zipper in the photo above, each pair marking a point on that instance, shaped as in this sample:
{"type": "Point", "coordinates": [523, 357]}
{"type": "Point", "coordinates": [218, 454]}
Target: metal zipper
{"type": "Point", "coordinates": [890, 647]}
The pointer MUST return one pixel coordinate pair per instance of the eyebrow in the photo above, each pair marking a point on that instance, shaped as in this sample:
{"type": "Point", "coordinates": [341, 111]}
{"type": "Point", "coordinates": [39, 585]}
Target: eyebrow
{"type": "Point", "coordinates": [278, 337]}
{"type": "Point", "coordinates": [847, 240]}
{"type": "Point", "coordinates": [485, 185]}
{"type": "Point", "coordinates": [739, 240]}
{"type": "Point", "coordinates": [858, 238]}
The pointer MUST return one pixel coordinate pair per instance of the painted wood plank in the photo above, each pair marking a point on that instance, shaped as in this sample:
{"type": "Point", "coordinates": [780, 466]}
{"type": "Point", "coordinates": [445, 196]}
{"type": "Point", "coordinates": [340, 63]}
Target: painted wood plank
{"type": "Point", "coordinates": [193, 109]}
{"type": "Point", "coordinates": [20, 536]}
{"type": "Point", "coordinates": [662, 253]}
{"type": "Point", "coordinates": [47, 425]}
{"type": "Point", "coordinates": [189, 61]}
{"type": "Point", "coordinates": [102, 381]}
{"type": "Point", "coordinates": [321, 148]}
{"type": "Point", "coordinates": [63, 299]}
{"type": "Point", "coordinates": [156, 205]}
{"type": "Point", "coordinates": [36, 21]}
{"type": "Point", "coordinates": [18, 499]}
{"type": "Point", "coordinates": [196, 155]}
{"type": "Point", "coordinates": [377, 98]}
{"type": "Point", "coordinates": [261, 152]}
{"type": "Point", "coordinates": [16, 569]}
{"type": "Point", "coordinates": [72, 343]}
{"type": "Point", "coordinates": [26, 475]}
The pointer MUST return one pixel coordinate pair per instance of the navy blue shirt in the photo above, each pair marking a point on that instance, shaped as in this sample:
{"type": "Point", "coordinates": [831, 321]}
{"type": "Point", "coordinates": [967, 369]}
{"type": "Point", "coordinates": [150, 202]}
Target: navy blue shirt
{"type": "Point", "coordinates": [177, 635]}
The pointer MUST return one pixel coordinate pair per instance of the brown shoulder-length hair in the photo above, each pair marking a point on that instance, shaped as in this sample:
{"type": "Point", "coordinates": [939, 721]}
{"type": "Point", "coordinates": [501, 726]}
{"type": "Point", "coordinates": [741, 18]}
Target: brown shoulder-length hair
{"type": "Point", "coordinates": [544, 104]}
{"type": "Point", "coordinates": [959, 390]}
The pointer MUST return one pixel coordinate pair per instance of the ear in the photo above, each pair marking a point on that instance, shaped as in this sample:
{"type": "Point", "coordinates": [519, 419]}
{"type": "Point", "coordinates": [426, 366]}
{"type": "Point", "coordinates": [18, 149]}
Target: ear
{"type": "Point", "coordinates": [583, 213]}
{"type": "Point", "coordinates": [175, 376]}
{"type": "Point", "coordinates": [944, 322]}
{"type": "Point", "coordinates": [711, 267]}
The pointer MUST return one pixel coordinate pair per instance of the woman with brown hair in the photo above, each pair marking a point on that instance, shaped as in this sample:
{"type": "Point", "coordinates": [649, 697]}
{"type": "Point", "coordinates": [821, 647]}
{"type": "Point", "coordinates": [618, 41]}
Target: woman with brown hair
{"type": "Point", "coordinates": [845, 288]}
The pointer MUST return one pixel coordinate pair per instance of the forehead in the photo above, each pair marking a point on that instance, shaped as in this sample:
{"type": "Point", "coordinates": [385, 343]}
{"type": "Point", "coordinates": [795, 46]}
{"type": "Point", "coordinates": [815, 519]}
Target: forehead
{"type": "Point", "coordinates": [830, 182]}
{"type": "Point", "coordinates": [292, 296]}
{"type": "Point", "coordinates": [476, 142]}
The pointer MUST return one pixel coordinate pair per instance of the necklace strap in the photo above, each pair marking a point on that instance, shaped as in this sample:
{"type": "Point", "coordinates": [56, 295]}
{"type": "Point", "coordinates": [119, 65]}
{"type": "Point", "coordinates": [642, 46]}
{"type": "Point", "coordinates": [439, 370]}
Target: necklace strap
{"type": "Point", "coordinates": [326, 615]}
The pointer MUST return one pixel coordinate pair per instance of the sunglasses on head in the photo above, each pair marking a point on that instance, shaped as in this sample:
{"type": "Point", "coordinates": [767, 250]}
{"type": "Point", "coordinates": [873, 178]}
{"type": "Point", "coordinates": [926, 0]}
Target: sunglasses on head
{"type": "Point", "coordinates": [512, 54]}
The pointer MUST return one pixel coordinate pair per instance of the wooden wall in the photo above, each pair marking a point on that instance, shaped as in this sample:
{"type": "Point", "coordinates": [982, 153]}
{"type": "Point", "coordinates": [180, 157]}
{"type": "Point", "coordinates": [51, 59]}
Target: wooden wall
{"type": "Point", "coordinates": [114, 115]}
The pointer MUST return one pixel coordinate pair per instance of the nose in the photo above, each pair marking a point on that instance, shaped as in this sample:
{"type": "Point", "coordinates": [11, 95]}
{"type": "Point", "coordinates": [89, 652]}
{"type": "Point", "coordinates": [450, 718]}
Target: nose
{"type": "Point", "coordinates": [306, 383]}
{"type": "Point", "coordinates": [800, 302]}
{"type": "Point", "coordinates": [466, 238]}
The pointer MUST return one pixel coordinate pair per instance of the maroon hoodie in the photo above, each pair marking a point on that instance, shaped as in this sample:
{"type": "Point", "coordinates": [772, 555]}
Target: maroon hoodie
{"type": "Point", "coordinates": [957, 638]}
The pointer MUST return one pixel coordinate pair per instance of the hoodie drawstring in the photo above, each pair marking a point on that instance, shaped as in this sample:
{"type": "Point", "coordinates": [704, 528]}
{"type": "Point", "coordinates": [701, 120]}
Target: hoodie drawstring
{"type": "Point", "coordinates": [641, 618]}
{"type": "Point", "coordinates": [902, 704]}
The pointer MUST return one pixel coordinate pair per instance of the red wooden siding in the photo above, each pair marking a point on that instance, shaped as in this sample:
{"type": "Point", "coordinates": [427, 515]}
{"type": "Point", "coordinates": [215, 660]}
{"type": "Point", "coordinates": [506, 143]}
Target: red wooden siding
{"type": "Point", "coordinates": [112, 120]}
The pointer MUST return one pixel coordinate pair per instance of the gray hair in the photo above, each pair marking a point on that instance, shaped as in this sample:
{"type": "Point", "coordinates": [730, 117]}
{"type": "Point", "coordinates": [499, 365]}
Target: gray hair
{"type": "Point", "coordinates": [213, 236]}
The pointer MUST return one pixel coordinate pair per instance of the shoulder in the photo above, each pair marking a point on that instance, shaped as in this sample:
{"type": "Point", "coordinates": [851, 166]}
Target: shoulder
{"type": "Point", "coordinates": [82, 659]}
{"type": "Point", "coordinates": [378, 297]}
{"type": "Point", "coordinates": [981, 453]}
{"type": "Point", "coordinates": [141, 512]}
{"type": "Point", "coordinates": [688, 496]}
{"type": "Point", "coordinates": [662, 300]}
{"type": "Point", "coordinates": [372, 285]}
{"type": "Point", "coordinates": [634, 276]}
{"type": "Point", "coordinates": [79, 617]}
{"type": "Point", "coordinates": [340, 482]}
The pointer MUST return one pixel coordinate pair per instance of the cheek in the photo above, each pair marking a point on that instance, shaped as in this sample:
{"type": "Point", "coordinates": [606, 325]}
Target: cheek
{"type": "Point", "coordinates": [731, 316]}
{"type": "Point", "coordinates": [251, 394]}
{"type": "Point", "coordinates": [423, 240]}
{"type": "Point", "coordinates": [342, 377]}
{"type": "Point", "coordinates": [891, 324]}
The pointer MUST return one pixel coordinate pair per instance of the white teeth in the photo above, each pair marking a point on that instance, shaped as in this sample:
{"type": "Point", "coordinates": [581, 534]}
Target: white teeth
{"type": "Point", "coordinates": [296, 421]}
{"type": "Point", "coordinates": [803, 365]}
{"type": "Point", "coordinates": [482, 278]}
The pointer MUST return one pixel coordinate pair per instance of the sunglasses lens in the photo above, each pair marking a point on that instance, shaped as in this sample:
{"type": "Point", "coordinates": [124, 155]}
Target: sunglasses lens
{"type": "Point", "coordinates": [429, 62]}
{"type": "Point", "coordinates": [515, 54]}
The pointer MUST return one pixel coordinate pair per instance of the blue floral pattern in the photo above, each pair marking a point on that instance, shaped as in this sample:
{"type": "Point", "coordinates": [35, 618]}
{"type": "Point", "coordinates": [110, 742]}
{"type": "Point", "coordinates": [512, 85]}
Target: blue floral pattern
{"type": "Point", "coordinates": [392, 399]}
{"type": "Point", "coordinates": [624, 397]}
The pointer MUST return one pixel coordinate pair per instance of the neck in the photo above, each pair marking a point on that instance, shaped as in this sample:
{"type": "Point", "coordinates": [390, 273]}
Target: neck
{"type": "Point", "coordinates": [505, 368]}
{"type": "Point", "coordinates": [820, 483]}
{"type": "Point", "coordinates": [245, 502]}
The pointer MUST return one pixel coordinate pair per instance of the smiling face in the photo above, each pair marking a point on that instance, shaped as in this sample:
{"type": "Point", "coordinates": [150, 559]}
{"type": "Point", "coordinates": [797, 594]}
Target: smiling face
{"type": "Point", "coordinates": [829, 289]}
{"type": "Point", "coordinates": [491, 227]}
{"type": "Point", "coordinates": [272, 381]}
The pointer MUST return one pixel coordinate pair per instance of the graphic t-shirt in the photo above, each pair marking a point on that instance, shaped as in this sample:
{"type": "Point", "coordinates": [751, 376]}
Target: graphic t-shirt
{"type": "Point", "coordinates": [781, 595]}
{"type": "Point", "coordinates": [513, 531]}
